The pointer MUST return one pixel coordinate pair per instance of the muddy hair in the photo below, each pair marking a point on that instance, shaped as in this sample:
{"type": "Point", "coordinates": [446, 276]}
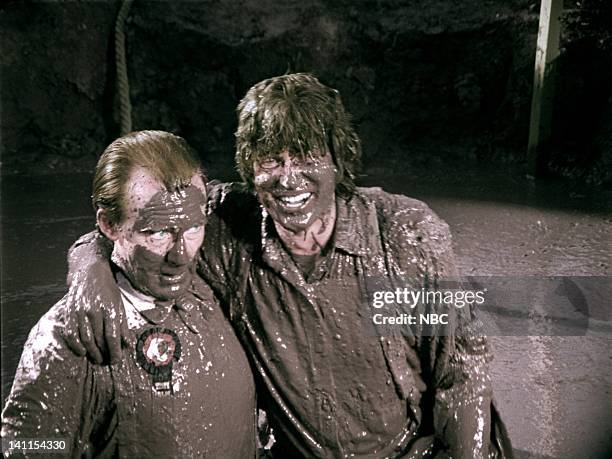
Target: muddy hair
{"type": "Point", "coordinates": [297, 113]}
{"type": "Point", "coordinates": [167, 157]}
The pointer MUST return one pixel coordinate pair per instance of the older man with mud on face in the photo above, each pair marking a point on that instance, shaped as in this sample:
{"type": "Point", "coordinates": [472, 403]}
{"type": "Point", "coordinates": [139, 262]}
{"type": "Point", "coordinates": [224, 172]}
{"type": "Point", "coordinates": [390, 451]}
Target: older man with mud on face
{"type": "Point", "coordinates": [183, 387]}
{"type": "Point", "coordinates": [291, 252]}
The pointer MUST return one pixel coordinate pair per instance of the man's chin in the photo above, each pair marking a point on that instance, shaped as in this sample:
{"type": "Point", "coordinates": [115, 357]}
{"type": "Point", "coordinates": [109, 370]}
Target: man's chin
{"type": "Point", "coordinates": [295, 228]}
{"type": "Point", "coordinates": [293, 222]}
{"type": "Point", "coordinates": [168, 295]}
{"type": "Point", "coordinates": [170, 292]}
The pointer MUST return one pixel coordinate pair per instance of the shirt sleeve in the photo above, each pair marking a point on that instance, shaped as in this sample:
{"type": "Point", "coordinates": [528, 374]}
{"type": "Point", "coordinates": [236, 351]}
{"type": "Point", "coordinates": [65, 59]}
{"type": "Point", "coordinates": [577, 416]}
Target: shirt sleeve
{"type": "Point", "coordinates": [458, 357]}
{"type": "Point", "coordinates": [55, 395]}
{"type": "Point", "coordinates": [88, 249]}
{"type": "Point", "coordinates": [216, 255]}
{"type": "Point", "coordinates": [453, 358]}
{"type": "Point", "coordinates": [231, 227]}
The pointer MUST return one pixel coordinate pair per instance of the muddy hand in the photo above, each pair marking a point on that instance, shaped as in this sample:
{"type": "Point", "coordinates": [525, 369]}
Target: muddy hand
{"type": "Point", "coordinates": [94, 315]}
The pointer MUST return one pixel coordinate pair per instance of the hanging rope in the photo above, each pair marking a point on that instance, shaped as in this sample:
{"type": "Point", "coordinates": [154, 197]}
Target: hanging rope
{"type": "Point", "coordinates": [125, 106]}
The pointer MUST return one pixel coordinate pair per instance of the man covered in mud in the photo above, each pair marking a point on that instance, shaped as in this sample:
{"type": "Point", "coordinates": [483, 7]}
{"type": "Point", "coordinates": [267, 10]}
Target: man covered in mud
{"type": "Point", "coordinates": [291, 251]}
{"type": "Point", "coordinates": [183, 387]}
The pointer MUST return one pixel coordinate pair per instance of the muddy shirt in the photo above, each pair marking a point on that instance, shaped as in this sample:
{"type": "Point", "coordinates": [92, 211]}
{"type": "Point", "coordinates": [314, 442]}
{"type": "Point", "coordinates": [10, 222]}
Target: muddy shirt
{"type": "Point", "coordinates": [333, 389]}
{"type": "Point", "coordinates": [203, 407]}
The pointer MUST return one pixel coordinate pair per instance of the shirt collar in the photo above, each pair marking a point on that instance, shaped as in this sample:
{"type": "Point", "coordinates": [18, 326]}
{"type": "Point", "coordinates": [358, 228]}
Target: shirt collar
{"type": "Point", "coordinates": [135, 303]}
{"type": "Point", "coordinates": [141, 308]}
{"type": "Point", "coordinates": [353, 224]}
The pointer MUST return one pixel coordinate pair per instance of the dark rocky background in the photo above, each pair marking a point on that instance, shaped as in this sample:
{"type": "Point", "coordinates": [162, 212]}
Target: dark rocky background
{"type": "Point", "coordinates": [429, 83]}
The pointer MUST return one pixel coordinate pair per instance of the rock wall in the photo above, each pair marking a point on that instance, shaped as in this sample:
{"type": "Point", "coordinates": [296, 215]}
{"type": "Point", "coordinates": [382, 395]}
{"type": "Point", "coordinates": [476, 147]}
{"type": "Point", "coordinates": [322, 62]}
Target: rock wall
{"type": "Point", "coordinates": [54, 79]}
{"type": "Point", "coordinates": [425, 80]}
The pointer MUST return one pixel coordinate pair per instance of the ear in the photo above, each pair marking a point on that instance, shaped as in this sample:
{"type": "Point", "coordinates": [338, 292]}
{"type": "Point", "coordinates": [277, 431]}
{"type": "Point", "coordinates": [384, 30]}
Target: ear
{"type": "Point", "coordinates": [106, 227]}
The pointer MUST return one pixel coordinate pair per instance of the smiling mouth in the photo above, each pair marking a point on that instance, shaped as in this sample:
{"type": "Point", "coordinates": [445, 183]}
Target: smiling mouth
{"type": "Point", "coordinates": [174, 279]}
{"type": "Point", "coordinates": [295, 201]}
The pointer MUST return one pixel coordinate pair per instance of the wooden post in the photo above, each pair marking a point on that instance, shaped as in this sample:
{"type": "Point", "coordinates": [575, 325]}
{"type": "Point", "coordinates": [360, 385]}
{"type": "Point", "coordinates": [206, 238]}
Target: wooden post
{"type": "Point", "coordinates": [543, 83]}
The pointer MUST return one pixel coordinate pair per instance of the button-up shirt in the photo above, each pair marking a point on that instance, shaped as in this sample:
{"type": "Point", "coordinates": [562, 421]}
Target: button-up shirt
{"type": "Point", "coordinates": [334, 387]}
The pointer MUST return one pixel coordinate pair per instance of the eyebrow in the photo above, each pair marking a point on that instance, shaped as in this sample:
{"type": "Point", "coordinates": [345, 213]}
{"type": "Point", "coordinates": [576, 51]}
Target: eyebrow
{"type": "Point", "coordinates": [155, 226]}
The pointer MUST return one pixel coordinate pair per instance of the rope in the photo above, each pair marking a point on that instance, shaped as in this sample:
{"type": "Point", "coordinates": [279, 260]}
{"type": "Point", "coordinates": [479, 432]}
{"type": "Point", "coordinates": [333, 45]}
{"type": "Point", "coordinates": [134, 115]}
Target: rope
{"type": "Point", "coordinates": [125, 106]}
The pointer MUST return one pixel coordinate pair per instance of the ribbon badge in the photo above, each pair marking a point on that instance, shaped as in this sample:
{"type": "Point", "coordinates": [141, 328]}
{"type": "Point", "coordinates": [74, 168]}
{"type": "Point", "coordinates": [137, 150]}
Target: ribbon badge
{"type": "Point", "coordinates": [156, 350]}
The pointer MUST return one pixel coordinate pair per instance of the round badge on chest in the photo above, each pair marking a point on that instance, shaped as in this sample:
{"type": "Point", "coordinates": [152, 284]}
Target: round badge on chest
{"type": "Point", "coordinates": [156, 350]}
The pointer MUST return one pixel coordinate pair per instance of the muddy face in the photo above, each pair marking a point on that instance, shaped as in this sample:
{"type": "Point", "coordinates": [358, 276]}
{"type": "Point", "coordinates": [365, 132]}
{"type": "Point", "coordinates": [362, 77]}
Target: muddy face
{"type": "Point", "coordinates": [157, 242]}
{"type": "Point", "coordinates": [296, 192]}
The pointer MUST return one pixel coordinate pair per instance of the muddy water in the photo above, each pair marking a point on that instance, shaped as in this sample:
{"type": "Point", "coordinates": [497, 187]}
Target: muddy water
{"type": "Point", "coordinates": [41, 216]}
{"type": "Point", "coordinates": [554, 392]}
